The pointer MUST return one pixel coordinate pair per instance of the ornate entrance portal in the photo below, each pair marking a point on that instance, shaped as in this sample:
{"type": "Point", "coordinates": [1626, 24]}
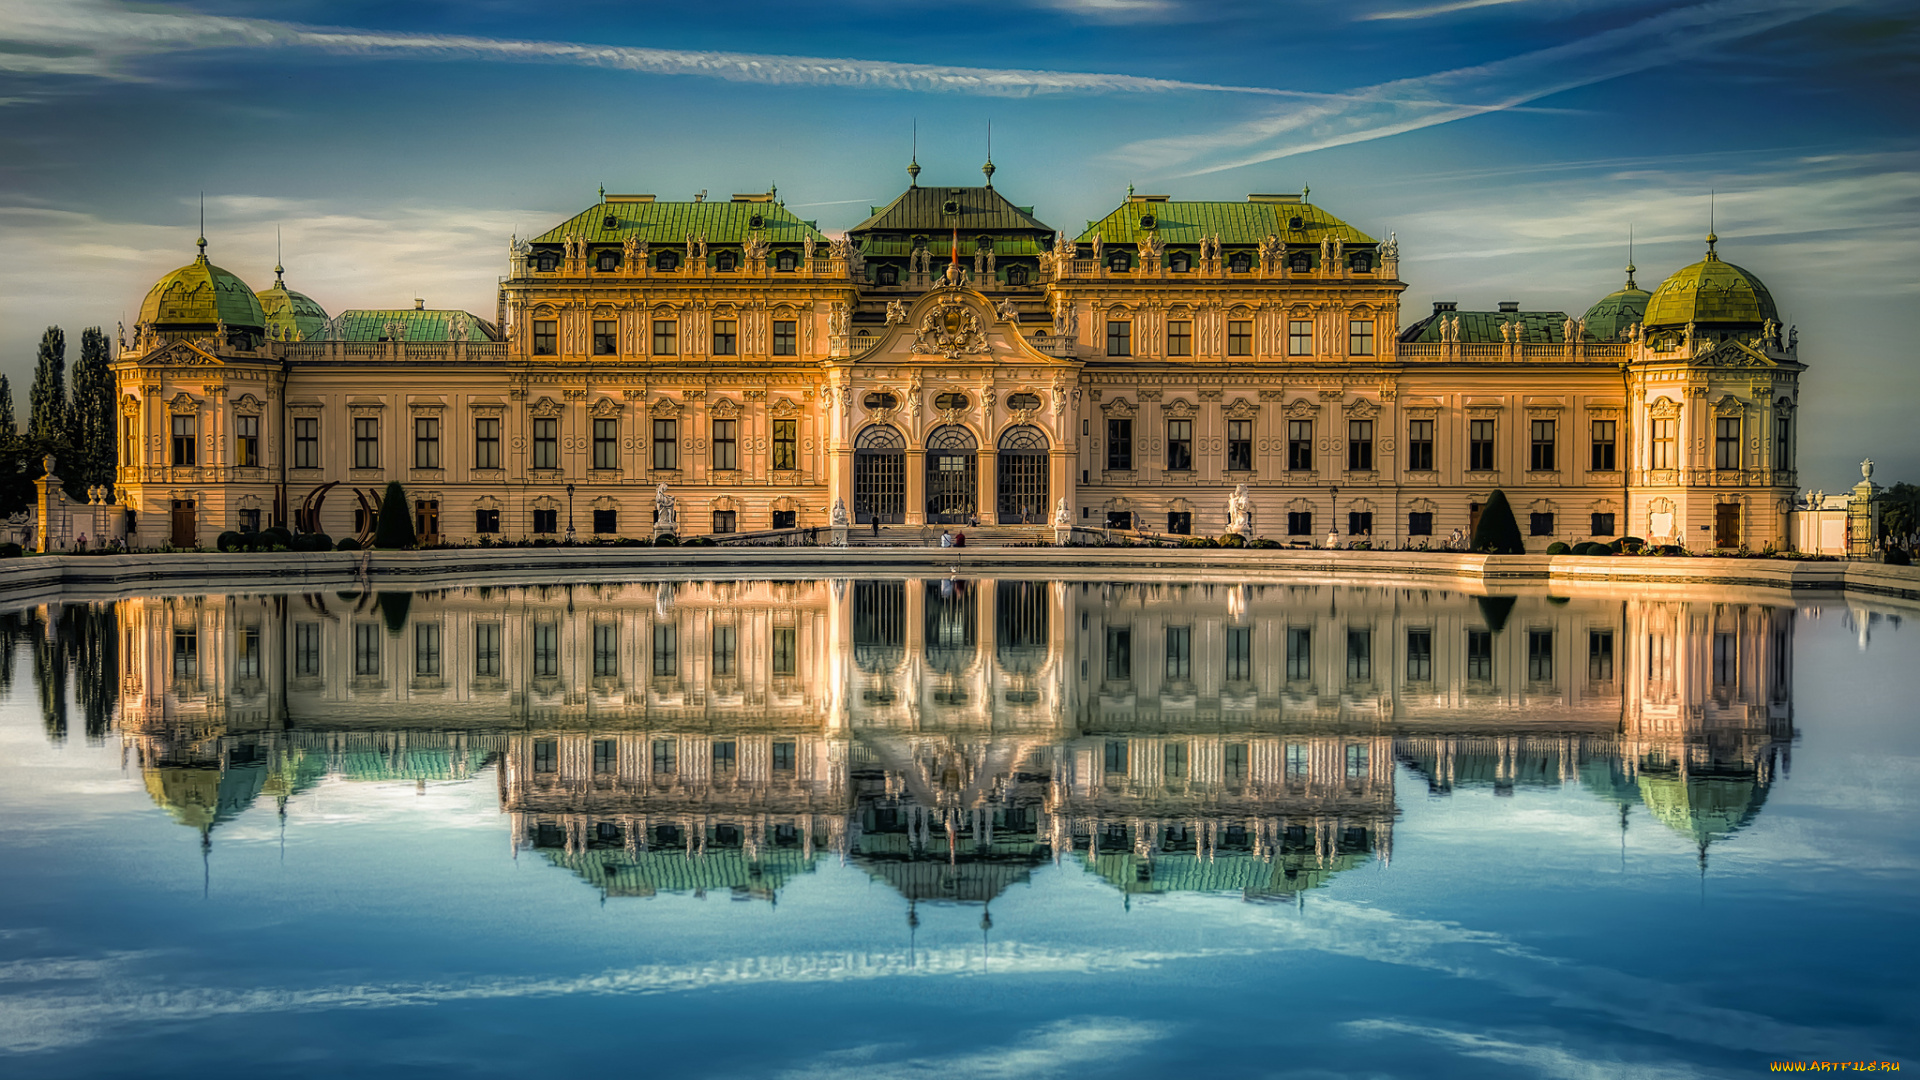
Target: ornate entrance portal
{"type": "Point", "coordinates": [1023, 476]}
{"type": "Point", "coordinates": [952, 476]}
{"type": "Point", "coordinates": [879, 476]}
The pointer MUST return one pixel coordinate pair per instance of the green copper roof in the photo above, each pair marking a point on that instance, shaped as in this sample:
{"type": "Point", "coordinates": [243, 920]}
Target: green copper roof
{"type": "Point", "coordinates": [291, 316]}
{"type": "Point", "coordinates": [1609, 319]}
{"type": "Point", "coordinates": [201, 295]}
{"type": "Point", "coordinates": [1711, 291]}
{"type": "Point", "coordinates": [672, 222]}
{"type": "Point", "coordinates": [1233, 222]}
{"type": "Point", "coordinates": [1703, 807]}
{"type": "Point", "coordinates": [646, 873]}
{"type": "Point", "coordinates": [1241, 872]}
{"type": "Point", "coordinates": [417, 324]}
{"type": "Point", "coordinates": [976, 210]}
{"type": "Point", "coordinates": [1483, 327]}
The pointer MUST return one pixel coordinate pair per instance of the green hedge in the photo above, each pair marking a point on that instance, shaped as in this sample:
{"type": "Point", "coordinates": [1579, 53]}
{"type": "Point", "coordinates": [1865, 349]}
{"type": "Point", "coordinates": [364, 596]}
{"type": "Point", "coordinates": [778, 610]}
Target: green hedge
{"type": "Point", "coordinates": [1497, 533]}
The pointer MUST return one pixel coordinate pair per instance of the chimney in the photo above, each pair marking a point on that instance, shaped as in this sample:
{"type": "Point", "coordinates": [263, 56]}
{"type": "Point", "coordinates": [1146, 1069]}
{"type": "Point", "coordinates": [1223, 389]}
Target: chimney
{"type": "Point", "coordinates": [1509, 305]}
{"type": "Point", "coordinates": [419, 303]}
{"type": "Point", "coordinates": [1445, 305]}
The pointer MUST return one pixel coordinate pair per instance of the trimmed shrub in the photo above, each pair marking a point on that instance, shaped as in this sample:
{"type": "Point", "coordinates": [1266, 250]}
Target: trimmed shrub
{"type": "Point", "coordinates": [393, 609]}
{"type": "Point", "coordinates": [1558, 548]}
{"type": "Point", "coordinates": [11, 550]}
{"type": "Point", "coordinates": [231, 541]}
{"type": "Point", "coordinates": [1497, 533]}
{"type": "Point", "coordinates": [1264, 543]}
{"type": "Point", "coordinates": [395, 528]}
{"type": "Point", "coordinates": [347, 543]}
{"type": "Point", "coordinates": [1232, 540]}
{"type": "Point", "coordinates": [699, 541]}
{"type": "Point", "coordinates": [312, 542]}
{"type": "Point", "coordinates": [1627, 543]}
{"type": "Point", "coordinates": [667, 540]}
{"type": "Point", "coordinates": [277, 536]}
{"type": "Point", "coordinates": [1898, 557]}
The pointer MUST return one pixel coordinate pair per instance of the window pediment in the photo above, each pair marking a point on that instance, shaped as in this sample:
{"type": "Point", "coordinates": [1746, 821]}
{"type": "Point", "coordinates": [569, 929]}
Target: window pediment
{"type": "Point", "coordinates": [1301, 408]}
{"type": "Point", "coordinates": [1119, 408]}
{"type": "Point", "coordinates": [183, 402]}
{"type": "Point", "coordinates": [605, 407]}
{"type": "Point", "coordinates": [665, 407]}
{"type": "Point", "coordinates": [546, 406]}
{"type": "Point", "coordinates": [784, 408]}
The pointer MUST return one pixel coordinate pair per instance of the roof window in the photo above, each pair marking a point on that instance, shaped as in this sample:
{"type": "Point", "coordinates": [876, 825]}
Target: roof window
{"type": "Point", "coordinates": [610, 222]}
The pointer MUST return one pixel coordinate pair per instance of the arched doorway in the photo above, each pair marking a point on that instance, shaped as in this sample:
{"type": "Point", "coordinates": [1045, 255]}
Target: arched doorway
{"type": "Point", "coordinates": [953, 470]}
{"type": "Point", "coordinates": [1022, 483]}
{"type": "Point", "coordinates": [879, 476]}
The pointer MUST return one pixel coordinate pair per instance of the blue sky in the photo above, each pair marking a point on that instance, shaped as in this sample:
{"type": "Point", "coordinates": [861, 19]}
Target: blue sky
{"type": "Point", "coordinates": [1510, 143]}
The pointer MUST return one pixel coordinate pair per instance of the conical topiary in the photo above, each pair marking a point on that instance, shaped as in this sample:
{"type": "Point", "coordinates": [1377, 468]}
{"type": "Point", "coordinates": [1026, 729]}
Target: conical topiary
{"type": "Point", "coordinates": [1496, 534]}
{"type": "Point", "coordinates": [395, 527]}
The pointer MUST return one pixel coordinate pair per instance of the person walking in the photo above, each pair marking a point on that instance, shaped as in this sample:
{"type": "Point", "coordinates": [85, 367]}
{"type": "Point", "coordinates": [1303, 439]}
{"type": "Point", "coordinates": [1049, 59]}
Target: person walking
{"type": "Point", "coordinates": [876, 526]}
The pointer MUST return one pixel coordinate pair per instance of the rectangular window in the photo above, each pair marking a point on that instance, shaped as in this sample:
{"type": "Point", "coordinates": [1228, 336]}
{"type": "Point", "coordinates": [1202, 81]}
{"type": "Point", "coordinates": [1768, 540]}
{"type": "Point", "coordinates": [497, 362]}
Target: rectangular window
{"type": "Point", "coordinates": [1239, 337]}
{"type": "Point", "coordinates": [1420, 523]}
{"type": "Point", "coordinates": [666, 337]}
{"type": "Point", "coordinates": [486, 442]}
{"type": "Point", "coordinates": [246, 659]}
{"type": "Point", "coordinates": [1179, 653]}
{"type": "Point", "coordinates": [1480, 446]}
{"type": "Point", "coordinates": [1542, 457]}
{"type": "Point", "coordinates": [1540, 525]}
{"type": "Point", "coordinates": [1114, 762]}
{"type": "Point", "coordinates": [1119, 654]}
{"type": "Point", "coordinates": [1299, 764]}
{"type": "Point", "coordinates": [724, 336]}
{"type": "Point", "coordinates": [606, 337]}
{"type": "Point", "coordinates": [1359, 445]}
{"type": "Point", "coordinates": [1239, 653]}
{"type": "Point", "coordinates": [1119, 443]}
{"type": "Point", "coordinates": [783, 756]}
{"type": "Point", "coordinates": [1782, 444]}
{"type": "Point", "coordinates": [1359, 523]}
{"type": "Point", "coordinates": [1604, 445]}
{"type": "Point", "coordinates": [1360, 337]}
{"type": "Point", "coordinates": [1359, 655]}
{"type": "Point", "coordinates": [546, 755]}
{"type": "Point", "coordinates": [1540, 656]}
{"type": "Point", "coordinates": [785, 519]}
{"type": "Point", "coordinates": [606, 650]}
{"type": "Point", "coordinates": [1300, 337]}
{"type": "Point", "coordinates": [1299, 445]}
{"type": "Point", "coordinates": [1480, 655]}
{"type": "Point", "coordinates": [246, 441]}
{"type": "Point", "coordinates": [786, 650]}
{"type": "Point", "coordinates": [606, 443]}
{"type": "Point", "coordinates": [366, 442]}
{"type": "Point", "coordinates": [486, 650]}
{"type": "Point", "coordinates": [663, 757]}
{"type": "Point", "coordinates": [666, 444]}
{"type": "Point", "coordinates": [1726, 442]}
{"type": "Point", "coordinates": [186, 654]}
{"type": "Point", "coordinates": [1179, 338]}
{"type": "Point", "coordinates": [1299, 523]}
{"type": "Point", "coordinates": [1600, 656]}
{"type": "Point", "coordinates": [1119, 337]}
{"type": "Point", "coordinates": [726, 444]}
{"type": "Point", "coordinates": [666, 649]}
{"type": "Point", "coordinates": [1179, 445]}
{"type": "Point", "coordinates": [1173, 760]}
{"type": "Point", "coordinates": [426, 442]}
{"type": "Point", "coordinates": [546, 442]}
{"type": "Point", "coordinates": [1299, 654]}
{"type": "Point", "coordinates": [306, 442]}
{"type": "Point", "coordinates": [724, 520]}
{"type": "Point", "coordinates": [306, 650]}
{"type": "Point", "coordinates": [786, 337]}
{"type": "Point", "coordinates": [486, 520]}
{"type": "Point", "coordinates": [726, 650]}
{"type": "Point", "coordinates": [606, 521]}
{"type": "Point", "coordinates": [1420, 446]}
{"type": "Point", "coordinates": [545, 337]}
{"type": "Point", "coordinates": [786, 444]}
{"type": "Point", "coordinates": [1233, 766]}
{"type": "Point", "coordinates": [546, 650]}
{"type": "Point", "coordinates": [726, 757]}
{"type": "Point", "coordinates": [1665, 434]}
{"type": "Point", "coordinates": [1239, 445]}
{"type": "Point", "coordinates": [1420, 655]}
{"type": "Point", "coordinates": [606, 757]}
{"type": "Point", "coordinates": [1356, 761]}
{"type": "Point", "coordinates": [249, 521]}
{"type": "Point", "coordinates": [426, 650]}
{"type": "Point", "coordinates": [1603, 525]}
{"type": "Point", "coordinates": [366, 649]}
{"type": "Point", "coordinates": [546, 520]}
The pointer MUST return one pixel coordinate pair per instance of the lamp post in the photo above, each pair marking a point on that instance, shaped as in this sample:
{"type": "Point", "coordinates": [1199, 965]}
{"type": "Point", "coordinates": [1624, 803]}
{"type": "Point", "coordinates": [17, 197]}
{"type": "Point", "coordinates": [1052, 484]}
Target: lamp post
{"type": "Point", "coordinates": [1334, 524]}
{"type": "Point", "coordinates": [569, 513]}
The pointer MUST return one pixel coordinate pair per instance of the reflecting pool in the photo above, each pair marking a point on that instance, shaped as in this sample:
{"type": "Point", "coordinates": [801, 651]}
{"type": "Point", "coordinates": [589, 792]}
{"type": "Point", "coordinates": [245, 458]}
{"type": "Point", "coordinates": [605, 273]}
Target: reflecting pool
{"type": "Point", "coordinates": [957, 827]}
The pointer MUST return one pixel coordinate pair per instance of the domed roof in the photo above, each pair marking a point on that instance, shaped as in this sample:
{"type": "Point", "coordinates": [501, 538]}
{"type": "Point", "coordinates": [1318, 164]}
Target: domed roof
{"type": "Point", "coordinates": [200, 295]}
{"type": "Point", "coordinates": [1711, 291]}
{"type": "Point", "coordinates": [291, 316]}
{"type": "Point", "coordinates": [1608, 320]}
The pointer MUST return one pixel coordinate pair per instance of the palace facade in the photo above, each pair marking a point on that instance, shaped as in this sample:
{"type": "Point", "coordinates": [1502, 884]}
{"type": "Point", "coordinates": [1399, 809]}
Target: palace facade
{"type": "Point", "coordinates": [953, 358]}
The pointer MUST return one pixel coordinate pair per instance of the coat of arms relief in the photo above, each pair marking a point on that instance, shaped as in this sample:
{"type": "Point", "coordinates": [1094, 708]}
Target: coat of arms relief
{"type": "Point", "coordinates": [951, 330]}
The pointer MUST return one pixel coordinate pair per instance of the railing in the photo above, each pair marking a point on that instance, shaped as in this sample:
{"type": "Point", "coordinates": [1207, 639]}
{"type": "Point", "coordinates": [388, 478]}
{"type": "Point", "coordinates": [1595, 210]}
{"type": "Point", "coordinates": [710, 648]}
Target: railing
{"type": "Point", "coordinates": [770, 538]}
{"type": "Point", "coordinates": [477, 351]}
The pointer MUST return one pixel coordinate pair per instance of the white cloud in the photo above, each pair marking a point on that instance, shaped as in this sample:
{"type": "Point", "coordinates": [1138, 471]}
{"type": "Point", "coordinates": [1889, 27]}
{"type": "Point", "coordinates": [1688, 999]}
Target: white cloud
{"type": "Point", "coordinates": [1436, 9]}
{"type": "Point", "coordinates": [1061, 1048]}
{"type": "Point", "coordinates": [1536, 1059]}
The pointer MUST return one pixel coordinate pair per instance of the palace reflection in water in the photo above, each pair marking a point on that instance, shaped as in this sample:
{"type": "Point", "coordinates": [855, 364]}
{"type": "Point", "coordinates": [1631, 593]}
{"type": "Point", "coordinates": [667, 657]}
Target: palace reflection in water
{"type": "Point", "coordinates": [946, 736]}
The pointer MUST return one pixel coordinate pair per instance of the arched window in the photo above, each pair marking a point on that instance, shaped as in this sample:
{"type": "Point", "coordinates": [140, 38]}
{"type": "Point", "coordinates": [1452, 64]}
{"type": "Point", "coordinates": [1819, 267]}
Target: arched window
{"type": "Point", "coordinates": [1119, 262]}
{"type": "Point", "coordinates": [1180, 262]}
{"type": "Point", "coordinates": [723, 261]}
{"type": "Point", "coordinates": [785, 262]}
{"type": "Point", "coordinates": [1240, 262]}
{"type": "Point", "coordinates": [1025, 438]}
{"type": "Point", "coordinates": [667, 260]}
{"type": "Point", "coordinates": [952, 437]}
{"type": "Point", "coordinates": [1016, 275]}
{"type": "Point", "coordinates": [1023, 401]}
{"type": "Point", "coordinates": [952, 400]}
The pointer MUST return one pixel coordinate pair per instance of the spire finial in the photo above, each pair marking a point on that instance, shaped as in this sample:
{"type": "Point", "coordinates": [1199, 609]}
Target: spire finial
{"type": "Point", "coordinates": [1630, 267]}
{"type": "Point", "coordinates": [988, 167]}
{"type": "Point", "coordinates": [202, 242]}
{"type": "Point", "coordinates": [913, 162]}
{"type": "Point", "coordinates": [1712, 237]}
{"type": "Point", "coordinates": [603, 193]}
{"type": "Point", "coordinates": [278, 270]}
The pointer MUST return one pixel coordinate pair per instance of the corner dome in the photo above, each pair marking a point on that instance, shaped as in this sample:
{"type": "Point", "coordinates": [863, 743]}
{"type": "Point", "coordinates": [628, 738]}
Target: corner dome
{"type": "Point", "coordinates": [1711, 291]}
{"type": "Point", "coordinates": [200, 296]}
{"type": "Point", "coordinates": [1609, 319]}
{"type": "Point", "coordinates": [291, 316]}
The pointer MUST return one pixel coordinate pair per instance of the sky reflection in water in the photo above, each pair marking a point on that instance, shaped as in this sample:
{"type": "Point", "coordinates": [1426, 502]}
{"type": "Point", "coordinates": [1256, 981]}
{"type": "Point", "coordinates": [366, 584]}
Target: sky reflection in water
{"type": "Point", "coordinates": [956, 828]}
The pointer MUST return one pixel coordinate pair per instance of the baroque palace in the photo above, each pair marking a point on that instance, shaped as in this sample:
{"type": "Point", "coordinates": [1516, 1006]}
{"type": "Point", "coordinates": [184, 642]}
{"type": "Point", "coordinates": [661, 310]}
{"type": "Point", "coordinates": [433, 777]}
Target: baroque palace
{"type": "Point", "coordinates": [953, 359]}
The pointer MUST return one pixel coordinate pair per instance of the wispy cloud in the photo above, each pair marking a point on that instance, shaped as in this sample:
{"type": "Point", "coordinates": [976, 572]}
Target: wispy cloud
{"type": "Point", "coordinates": [1061, 1048]}
{"type": "Point", "coordinates": [1534, 1058]}
{"type": "Point", "coordinates": [1436, 9]}
{"type": "Point", "coordinates": [1404, 105]}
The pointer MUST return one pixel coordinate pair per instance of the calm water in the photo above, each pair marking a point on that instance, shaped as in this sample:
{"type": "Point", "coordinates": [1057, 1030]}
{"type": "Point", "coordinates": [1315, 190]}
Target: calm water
{"type": "Point", "coordinates": [956, 828]}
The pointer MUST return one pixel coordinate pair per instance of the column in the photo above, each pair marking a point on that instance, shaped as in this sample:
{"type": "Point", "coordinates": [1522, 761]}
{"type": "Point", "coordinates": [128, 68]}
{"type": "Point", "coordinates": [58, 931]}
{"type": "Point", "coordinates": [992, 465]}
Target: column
{"type": "Point", "coordinates": [916, 485]}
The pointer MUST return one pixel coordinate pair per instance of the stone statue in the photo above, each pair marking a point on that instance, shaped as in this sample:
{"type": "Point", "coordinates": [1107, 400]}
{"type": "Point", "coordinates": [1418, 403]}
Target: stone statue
{"type": "Point", "coordinates": [1686, 340]}
{"type": "Point", "coordinates": [1793, 338]}
{"type": "Point", "coordinates": [896, 312]}
{"type": "Point", "coordinates": [839, 511]}
{"type": "Point", "coordinates": [1066, 249]}
{"type": "Point", "coordinates": [1063, 516]}
{"type": "Point", "coordinates": [1099, 245]}
{"type": "Point", "coordinates": [1272, 253]}
{"type": "Point", "coordinates": [1240, 512]}
{"type": "Point", "coordinates": [123, 335]}
{"type": "Point", "coordinates": [1391, 249]}
{"type": "Point", "coordinates": [1567, 331]}
{"type": "Point", "coordinates": [665, 516]}
{"type": "Point", "coordinates": [1008, 310]}
{"type": "Point", "coordinates": [756, 247]}
{"type": "Point", "coordinates": [458, 326]}
{"type": "Point", "coordinates": [1580, 329]}
{"type": "Point", "coordinates": [806, 246]}
{"type": "Point", "coordinates": [46, 465]}
{"type": "Point", "coordinates": [837, 320]}
{"type": "Point", "coordinates": [1326, 252]}
{"type": "Point", "coordinates": [1065, 319]}
{"type": "Point", "coordinates": [1151, 246]}
{"type": "Point", "coordinates": [955, 276]}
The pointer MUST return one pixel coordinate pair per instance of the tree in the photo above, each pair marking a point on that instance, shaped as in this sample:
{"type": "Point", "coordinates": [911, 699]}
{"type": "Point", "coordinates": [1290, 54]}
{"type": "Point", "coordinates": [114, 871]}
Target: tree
{"type": "Point", "coordinates": [90, 431]}
{"type": "Point", "coordinates": [395, 527]}
{"type": "Point", "coordinates": [1897, 511]}
{"type": "Point", "coordinates": [1497, 533]}
{"type": "Point", "coordinates": [16, 482]}
{"type": "Point", "coordinates": [47, 402]}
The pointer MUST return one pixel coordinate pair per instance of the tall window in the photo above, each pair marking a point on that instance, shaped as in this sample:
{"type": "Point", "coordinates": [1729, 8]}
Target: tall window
{"type": "Point", "coordinates": [1604, 445]}
{"type": "Point", "coordinates": [606, 443]}
{"type": "Point", "coordinates": [1119, 443]}
{"type": "Point", "coordinates": [546, 442]}
{"type": "Point", "coordinates": [1600, 655]}
{"type": "Point", "coordinates": [1480, 655]}
{"type": "Point", "coordinates": [546, 650]}
{"type": "Point", "coordinates": [1119, 653]}
{"type": "Point", "coordinates": [1179, 338]}
{"type": "Point", "coordinates": [1299, 445]}
{"type": "Point", "coordinates": [1540, 656]}
{"type": "Point", "coordinates": [1420, 446]}
{"type": "Point", "coordinates": [1299, 654]}
{"type": "Point", "coordinates": [1299, 523]}
{"type": "Point", "coordinates": [606, 650]}
{"type": "Point", "coordinates": [1726, 442]}
{"type": "Point", "coordinates": [486, 442]}
{"type": "Point", "coordinates": [1119, 337]}
{"type": "Point", "coordinates": [666, 444]}
{"type": "Point", "coordinates": [486, 650]}
{"type": "Point", "coordinates": [1782, 444]}
{"type": "Point", "coordinates": [606, 338]}
{"type": "Point", "coordinates": [1239, 337]}
{"type": "Point", "coordinates": [786, 650]}
{"type": "Point", "coordinates": [1179, 653]}
{"type": "Point", "coordinates": [726, 650]}
{"type": "Point", "coordinates": [666, 334]}
{"type": "Point", "coordinates": [1179, 445]}
{"type": "Point", "coordinates": [1239, 445]}
{"type": "Point", "coordinates": [609, 262]}
{"type": "Point", "coordinates": [786, 444]}
{"type": "Point", "coordinates": [1360, 337]}
{"type": "Point", "coordinates": [1300, 337]}
{"type": "Point", "coordinates": [246, 441]}
{"type": "Point", "coordinates": [726, 444]}
{"type": "Point", "coordinates": [1480, 445]}
{"type": "Point", "coordinates": [366, 649]}
{"type": "Point", "coordinates": [1542, 456]}
{"type": "Point", "coordinates": [1665, 434]}
{"type": "Point", "coordinates": [306, 650]}
{"type": "Point", "coordinates": [306, 442]}
{"type": "Point", "coordinates": [1359, 445]}
{"type": "Point", "coordinates": [785, 339]}
{"type": "Point", "coordinates": [183, 442]}
{"type": "Point", "coordinates": [666, 649]}
{"type": "Point", "coordinates": [663, 755]}
{"type": "Point", "coordinates": [426, 442]}
{"type": "Point", "coordinates": [366, 442]}
{"type": "Point", "coordinates": [545, 337]}
{"type": "Point", "coordinates": [724, 336]}
{"type": "Point", "coordinates": [1239, 653]}
{"type": "Point", "coordinates": [1420, 655]}
{"type": "Point", "coordinates": [426, 650]}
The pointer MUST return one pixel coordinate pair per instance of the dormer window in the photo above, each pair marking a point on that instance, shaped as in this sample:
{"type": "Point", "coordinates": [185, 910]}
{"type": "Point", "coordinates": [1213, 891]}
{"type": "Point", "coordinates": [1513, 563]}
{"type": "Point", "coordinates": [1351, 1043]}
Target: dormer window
{"type": "Point", "coordinates": [1148, 221]}
{"type": "Point", "coordinates": [1240, 262]}
{"type": "Point", "coordinates": [609, 262]}
{"type": "Point", "coordinates": [610, 222]}
{"type": "Point", "coordinates": [951, 206]}
{"type": "Point", "coordinates": [757, 221]}
{"type": "Point", "coordinates": [667, 260]}
{"type": "Point", "coordinates": [887, 275]}
{"type": "Point", "coordinates": [1294, 222]}
{"type": "Point", "coordinates": [785, 262]}
{"type": "Point", "coordinates": [1362, 262]}
{"type": "Point", "coordinates": [723, 262]}
{"type": "Point", "coordinates": [1300, 263]}
{"type": "Point", "coordinates": [1180, 262]}
{"type": "Point", "coordinates": [1016, 275]}
{"type": "Point", "coordinates": [546, 261]}
{"type": "Point", "coordinates": [1119, 262]}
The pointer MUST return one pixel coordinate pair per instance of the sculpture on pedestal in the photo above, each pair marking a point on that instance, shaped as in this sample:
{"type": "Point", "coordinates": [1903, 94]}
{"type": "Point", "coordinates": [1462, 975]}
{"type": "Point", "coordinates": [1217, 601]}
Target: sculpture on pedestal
{"type": "Point", "coordinates": [1240, 512]}
{"type": "Point", "coordinates": [665, 515]}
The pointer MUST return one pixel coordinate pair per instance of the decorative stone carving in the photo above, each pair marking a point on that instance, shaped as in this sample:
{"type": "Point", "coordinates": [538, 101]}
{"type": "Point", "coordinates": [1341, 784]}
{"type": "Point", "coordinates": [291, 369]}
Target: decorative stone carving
{"type": "Point", "coordinates": [1272, 254]}
{"type": "Point", "coordinates": [951, 330]}
{"type": "Point", "coordinates": [1008, 311]}
{"type": "Point", "coordinates": [1066, 320]}
{"type": "Point", "coordinates": [1063, 515]}
{"type": "Point", "coordinates": [665, 515]}
{"type": "Point", "coordinates": [756, 247]}
{"type": "Point", "coordinates": [896, 312]}
{"type": "Point", "coordinates": [838, 515]}
{"type": "Point", "coordinates": [1240, 512]}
